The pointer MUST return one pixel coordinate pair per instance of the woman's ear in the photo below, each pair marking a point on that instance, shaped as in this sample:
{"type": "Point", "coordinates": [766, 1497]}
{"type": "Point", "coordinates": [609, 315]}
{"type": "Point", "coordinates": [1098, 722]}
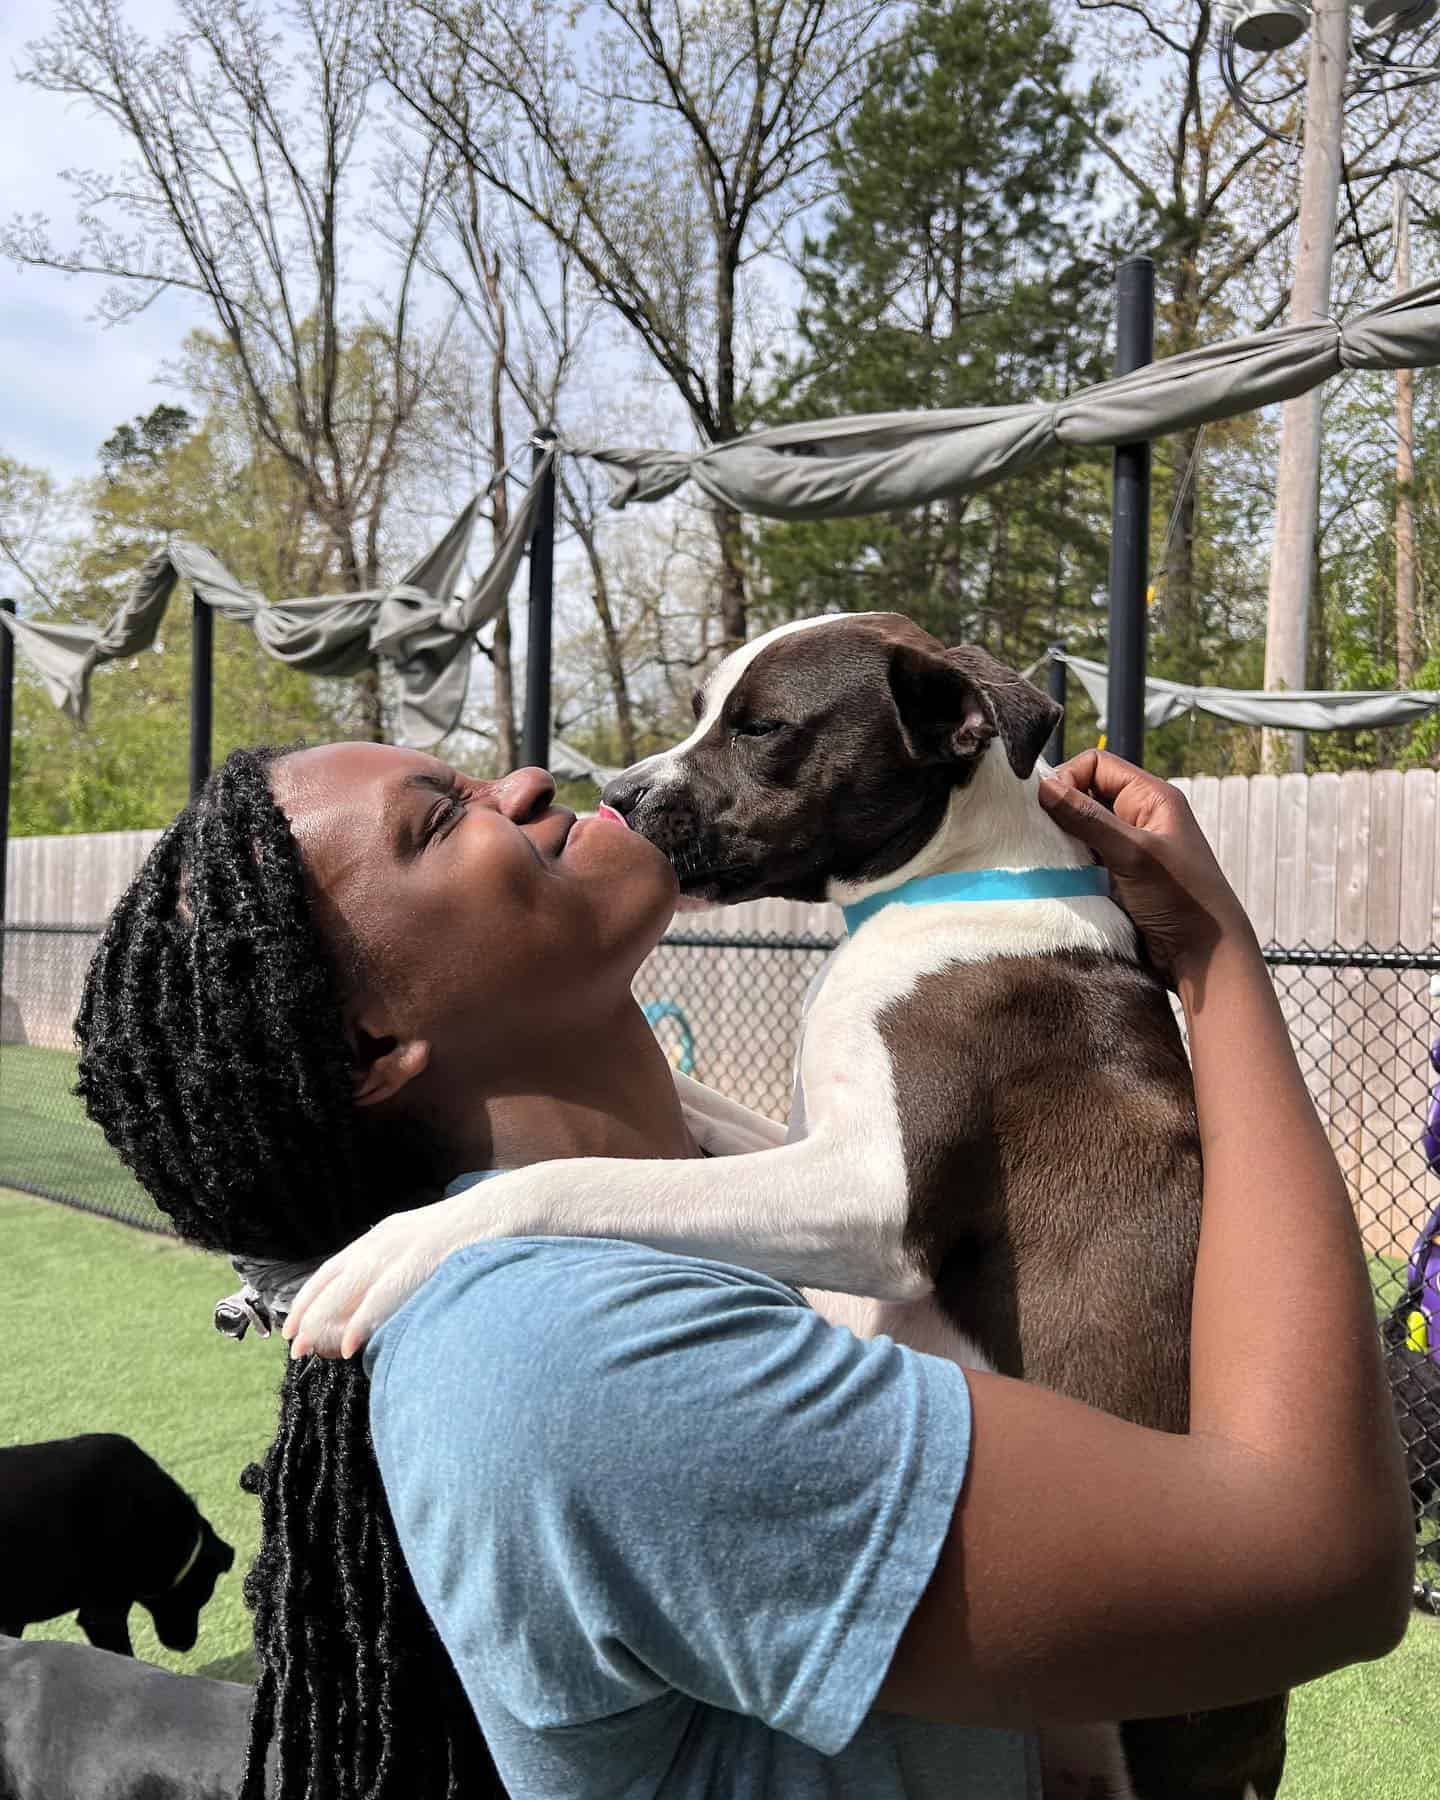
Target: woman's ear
{"type": "Point", "coordinates": [384, 1062]}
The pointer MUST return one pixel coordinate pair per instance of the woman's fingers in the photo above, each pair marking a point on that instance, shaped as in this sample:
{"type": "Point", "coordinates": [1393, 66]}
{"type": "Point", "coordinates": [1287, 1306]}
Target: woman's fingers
{"type": "Point", "coordinates": [1118, 845]}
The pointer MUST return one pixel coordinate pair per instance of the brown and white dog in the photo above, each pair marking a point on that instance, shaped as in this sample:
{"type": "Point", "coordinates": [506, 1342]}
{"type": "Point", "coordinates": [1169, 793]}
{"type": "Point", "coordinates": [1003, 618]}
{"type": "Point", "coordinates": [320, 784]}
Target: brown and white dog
{"type": "Point", "coordinates": [995, 1136]}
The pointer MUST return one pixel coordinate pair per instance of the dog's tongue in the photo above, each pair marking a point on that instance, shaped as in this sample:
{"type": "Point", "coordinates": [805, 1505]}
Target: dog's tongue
{"type": "Point", "coordinates": [608, 812]}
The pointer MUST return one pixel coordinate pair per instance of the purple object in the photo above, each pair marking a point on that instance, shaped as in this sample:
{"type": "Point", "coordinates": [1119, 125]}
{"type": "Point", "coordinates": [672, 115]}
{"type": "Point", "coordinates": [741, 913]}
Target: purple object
{"type": "Point", "coordinates": [1423, 1331]}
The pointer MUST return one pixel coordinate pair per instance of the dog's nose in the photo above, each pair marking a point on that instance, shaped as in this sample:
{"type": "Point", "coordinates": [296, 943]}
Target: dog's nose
{"type": "Point", "coordinates": [625, 792]}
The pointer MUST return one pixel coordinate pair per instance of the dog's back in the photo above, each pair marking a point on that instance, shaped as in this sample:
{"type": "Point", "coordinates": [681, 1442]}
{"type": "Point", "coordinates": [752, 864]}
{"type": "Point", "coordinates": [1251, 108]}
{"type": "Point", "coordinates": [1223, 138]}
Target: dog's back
{"type": "Point", "coordinates": [81, 1724]}
{"type": "Point", "coordinates": [1053, 1158]}
{"type": "Point", "coordinates": [1053, 1152]}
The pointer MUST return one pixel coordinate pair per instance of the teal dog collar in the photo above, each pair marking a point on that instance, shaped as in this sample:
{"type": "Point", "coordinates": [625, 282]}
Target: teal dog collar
{"type": "Point", "coordinates": [983, 884]}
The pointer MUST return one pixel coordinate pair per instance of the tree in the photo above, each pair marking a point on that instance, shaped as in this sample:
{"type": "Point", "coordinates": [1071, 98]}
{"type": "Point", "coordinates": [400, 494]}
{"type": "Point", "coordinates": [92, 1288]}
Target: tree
{"type": "Point", "coordinates": [1217, 203]}
{"type": "Point", "coordinates": [29, 503]}
{"type": "Point", "coordinates": [956, 270]}
{"type": "Point", "coordinates": [127, 768]}
{"type": "Point", "coordinates": [667, 150]}
{"type": "Point", "coordinates": [242, 191]}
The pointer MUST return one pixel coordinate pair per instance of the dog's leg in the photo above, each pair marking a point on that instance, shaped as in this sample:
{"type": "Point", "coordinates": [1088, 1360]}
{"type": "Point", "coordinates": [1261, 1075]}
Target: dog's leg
{"type": "Point", "coordinates": [827, 1212]}
{"type": "Point", "coordinates": [107, 1627]}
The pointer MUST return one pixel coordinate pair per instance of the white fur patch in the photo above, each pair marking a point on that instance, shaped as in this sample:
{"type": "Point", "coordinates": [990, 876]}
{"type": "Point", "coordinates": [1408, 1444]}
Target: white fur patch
{"type": "Point", "coordinates": [664, 766]}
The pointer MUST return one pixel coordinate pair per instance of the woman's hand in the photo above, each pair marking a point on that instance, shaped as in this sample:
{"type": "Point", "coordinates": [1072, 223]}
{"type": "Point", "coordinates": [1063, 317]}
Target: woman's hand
{"type": "Point", "coordinates": [1162, 870]}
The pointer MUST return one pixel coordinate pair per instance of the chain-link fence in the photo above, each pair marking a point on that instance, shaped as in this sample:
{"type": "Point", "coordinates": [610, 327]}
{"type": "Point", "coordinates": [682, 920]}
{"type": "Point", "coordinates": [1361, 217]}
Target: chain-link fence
{"type": "Point", "coordinates": [726, 1009]}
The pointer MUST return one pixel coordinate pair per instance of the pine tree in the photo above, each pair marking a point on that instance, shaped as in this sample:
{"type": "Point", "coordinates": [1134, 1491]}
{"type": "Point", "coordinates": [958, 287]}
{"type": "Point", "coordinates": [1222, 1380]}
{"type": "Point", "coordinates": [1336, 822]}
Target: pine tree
{"type": "Point", "coordinates": [956, 270]}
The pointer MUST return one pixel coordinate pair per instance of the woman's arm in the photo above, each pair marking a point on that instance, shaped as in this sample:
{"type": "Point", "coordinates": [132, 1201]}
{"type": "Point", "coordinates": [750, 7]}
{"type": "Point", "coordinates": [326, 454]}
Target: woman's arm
{"type": "Point", "coordinates": [1099, 1570]}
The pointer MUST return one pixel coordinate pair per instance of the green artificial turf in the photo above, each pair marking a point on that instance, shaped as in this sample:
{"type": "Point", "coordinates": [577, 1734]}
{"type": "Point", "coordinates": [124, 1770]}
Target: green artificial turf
{"type": "Point", "coordinates": [107, 1328]}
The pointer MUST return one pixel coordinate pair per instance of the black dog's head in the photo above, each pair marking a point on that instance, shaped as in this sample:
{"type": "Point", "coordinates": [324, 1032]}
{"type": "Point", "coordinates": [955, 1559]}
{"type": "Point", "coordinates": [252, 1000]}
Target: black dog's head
{"type": "Point", "coordinates": [177, 1611]}
{"type": "Point", "coordinates": [827, 751]}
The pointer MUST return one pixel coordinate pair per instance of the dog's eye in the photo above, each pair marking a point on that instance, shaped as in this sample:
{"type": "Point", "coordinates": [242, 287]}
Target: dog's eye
{"type": "Point", "coordinates": [759, 727]}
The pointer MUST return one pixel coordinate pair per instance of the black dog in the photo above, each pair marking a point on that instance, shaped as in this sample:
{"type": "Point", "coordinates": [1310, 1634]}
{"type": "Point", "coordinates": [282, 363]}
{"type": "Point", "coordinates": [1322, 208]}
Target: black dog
{"type": "Point", "coordinates": [92, 1524]}
{"type": "Point", "coordinates": [78, 1724]}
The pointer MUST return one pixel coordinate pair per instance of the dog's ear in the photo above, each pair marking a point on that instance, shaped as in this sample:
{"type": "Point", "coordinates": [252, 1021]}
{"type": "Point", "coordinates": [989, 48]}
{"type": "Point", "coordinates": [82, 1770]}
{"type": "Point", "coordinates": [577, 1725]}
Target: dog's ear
{"type": "Point", "coordinates": [953, 702]}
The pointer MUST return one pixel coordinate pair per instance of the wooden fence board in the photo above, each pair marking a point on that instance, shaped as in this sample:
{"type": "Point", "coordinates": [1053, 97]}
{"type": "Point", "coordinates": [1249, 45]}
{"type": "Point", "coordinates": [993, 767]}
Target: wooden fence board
{"type": "Point", "coordinates": [1292, 883]}
{"type": "Point", "coordinates": [1232, 842]}
{"type": "Point", "coordinates": [1262, 856]}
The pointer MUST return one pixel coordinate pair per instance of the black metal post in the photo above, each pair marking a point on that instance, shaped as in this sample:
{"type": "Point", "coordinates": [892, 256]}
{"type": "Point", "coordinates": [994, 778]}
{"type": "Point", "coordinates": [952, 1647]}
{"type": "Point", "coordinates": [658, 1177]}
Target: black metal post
{"type": "Point", "coordinates": [535, 734]}
{"type": "Point", "coordinates": [1055, 686]}
{"type": "Point", "coordinates": [202, 693]}
{"type": "Point", "coordinates": [7, 731]}
{"type": "Point", "coordinates": [1130, 523]}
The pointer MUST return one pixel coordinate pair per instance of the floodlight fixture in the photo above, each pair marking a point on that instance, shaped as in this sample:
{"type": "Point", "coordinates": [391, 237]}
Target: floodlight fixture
{"type": "Point", "coordinates": [1388, 17]}
{"type": "Point", "coordinates": [1269, 25]}
{"type": "Point", "coordinates": [1395, 45]}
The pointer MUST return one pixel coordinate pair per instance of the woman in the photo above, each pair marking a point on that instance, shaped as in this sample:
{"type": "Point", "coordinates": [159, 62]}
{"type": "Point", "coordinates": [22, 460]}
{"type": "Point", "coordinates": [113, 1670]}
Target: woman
{"type": "Point", "coordinates": [678, 1535]}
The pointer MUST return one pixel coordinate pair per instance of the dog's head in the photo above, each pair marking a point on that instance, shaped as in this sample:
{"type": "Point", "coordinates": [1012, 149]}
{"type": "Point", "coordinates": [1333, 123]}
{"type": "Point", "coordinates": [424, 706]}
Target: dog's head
{"type": "Point", "coordinates": [828, 750]}
{"type": "Point", "coordinates": [177, 1612]}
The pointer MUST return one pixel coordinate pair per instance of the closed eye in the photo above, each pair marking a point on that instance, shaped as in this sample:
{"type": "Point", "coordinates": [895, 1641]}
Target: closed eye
{"type": "Point", "coordinates": [447, 811]}
{"type": "Point", "coordinates": [758, 727]}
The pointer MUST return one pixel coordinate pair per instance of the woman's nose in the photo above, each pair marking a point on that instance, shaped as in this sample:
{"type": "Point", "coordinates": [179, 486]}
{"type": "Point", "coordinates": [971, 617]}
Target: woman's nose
{"type": "Point", "coordinates": [524, 794]}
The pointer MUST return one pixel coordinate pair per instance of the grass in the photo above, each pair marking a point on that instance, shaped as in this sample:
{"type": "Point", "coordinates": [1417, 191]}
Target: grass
{"type": "Point", "coordinates": [116, 1325]}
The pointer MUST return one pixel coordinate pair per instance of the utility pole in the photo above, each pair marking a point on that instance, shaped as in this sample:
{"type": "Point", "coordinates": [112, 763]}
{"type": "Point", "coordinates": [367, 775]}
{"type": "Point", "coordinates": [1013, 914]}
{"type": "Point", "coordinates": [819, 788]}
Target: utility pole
{"type": "Point", "coordinates": [1297, 486]}
{"type": "Point", "coordinates": [1406, 627]}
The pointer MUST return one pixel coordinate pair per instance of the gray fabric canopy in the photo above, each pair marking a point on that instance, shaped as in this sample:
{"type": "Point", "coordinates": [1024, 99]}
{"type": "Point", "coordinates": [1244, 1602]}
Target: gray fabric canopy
{"type": "Point", "coordinates": [419, 624]}
{"type": "Point", "coordinates": [832, 469]}
{"type": "Point", "coordinates": [881, 461]}
{"type": "Point", "coordinates": [1360, 709]}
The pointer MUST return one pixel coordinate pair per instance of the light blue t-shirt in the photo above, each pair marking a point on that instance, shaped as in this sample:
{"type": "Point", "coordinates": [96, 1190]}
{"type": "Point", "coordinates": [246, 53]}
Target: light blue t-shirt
{"type": "Point", "coordinates": [670, 1525]}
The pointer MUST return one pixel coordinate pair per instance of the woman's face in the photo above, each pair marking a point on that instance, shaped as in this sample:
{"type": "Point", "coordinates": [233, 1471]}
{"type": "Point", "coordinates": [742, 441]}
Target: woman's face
{"type": "Point", "coordinates": [489, 922]}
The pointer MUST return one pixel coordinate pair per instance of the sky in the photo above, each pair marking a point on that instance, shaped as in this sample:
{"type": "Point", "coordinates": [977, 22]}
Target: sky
{"type": "Point", "coordinates": [68, 380]}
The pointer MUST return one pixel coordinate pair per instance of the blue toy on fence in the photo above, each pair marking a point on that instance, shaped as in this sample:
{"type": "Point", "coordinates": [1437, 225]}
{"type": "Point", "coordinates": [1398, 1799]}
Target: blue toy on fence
{"type": "Point", "coordinates": [682, 1052]}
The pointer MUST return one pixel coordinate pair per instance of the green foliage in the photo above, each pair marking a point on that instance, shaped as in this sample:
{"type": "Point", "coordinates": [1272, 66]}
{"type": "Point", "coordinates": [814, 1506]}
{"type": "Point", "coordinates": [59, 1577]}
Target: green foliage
{"type": "Point", "coordinates": [956, 271]}
{"type": "Point", "coordinates": [127, 768]}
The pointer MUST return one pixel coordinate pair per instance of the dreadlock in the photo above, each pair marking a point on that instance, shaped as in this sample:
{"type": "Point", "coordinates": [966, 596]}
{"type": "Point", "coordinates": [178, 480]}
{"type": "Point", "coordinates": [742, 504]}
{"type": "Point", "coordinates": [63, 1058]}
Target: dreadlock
{"type": "Point", "coordinates": [214, 1058]}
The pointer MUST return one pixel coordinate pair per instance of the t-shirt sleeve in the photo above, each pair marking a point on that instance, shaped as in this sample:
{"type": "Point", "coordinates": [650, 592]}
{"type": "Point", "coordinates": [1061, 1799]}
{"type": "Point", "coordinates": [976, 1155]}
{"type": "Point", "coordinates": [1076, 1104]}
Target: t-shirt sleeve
{"type": "Point", "coordinates": [616, 1473]}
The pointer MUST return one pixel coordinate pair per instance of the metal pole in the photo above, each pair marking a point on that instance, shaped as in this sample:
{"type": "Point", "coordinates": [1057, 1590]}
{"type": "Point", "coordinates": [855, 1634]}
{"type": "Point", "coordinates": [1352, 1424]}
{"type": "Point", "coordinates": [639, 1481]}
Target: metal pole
{"type": "Point", "coordinates": [1297, 475]}
{"type": "Point", "coordinates": [202, 692]}
{"type": "Point", "coordinates": [1130, 523]}
{"type": "Point", "coordinates": [7, 728]}
{"type": "Point", "coordinates": [535, 734]}
{"type": "Point", "coordinates": [1055, 685]}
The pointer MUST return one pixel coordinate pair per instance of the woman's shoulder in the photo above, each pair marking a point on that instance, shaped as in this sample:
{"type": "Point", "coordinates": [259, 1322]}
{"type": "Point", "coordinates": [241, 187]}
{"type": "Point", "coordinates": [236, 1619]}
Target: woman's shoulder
{"type": "Point", "coordinates": [513, 1346]}
{"type": "Point", "coordinates": [527, 1307]}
